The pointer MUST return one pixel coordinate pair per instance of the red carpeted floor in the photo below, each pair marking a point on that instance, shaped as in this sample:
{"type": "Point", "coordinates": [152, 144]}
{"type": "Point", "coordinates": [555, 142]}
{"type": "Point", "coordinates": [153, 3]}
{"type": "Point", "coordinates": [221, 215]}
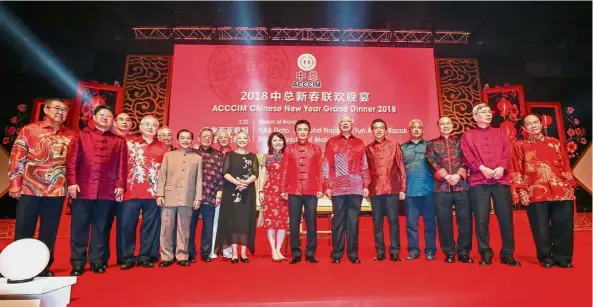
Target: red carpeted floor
{"type": "Point", "coordinates": [416, 283]}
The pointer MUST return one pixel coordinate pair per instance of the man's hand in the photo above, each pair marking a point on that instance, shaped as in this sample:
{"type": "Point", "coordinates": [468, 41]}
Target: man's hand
{"type": "Point", "coordinates": [72, 190]}
{"type": "Point", "coordinates": [217, 201]}
{"type": "Point", "coordinates": [119, 192]}
{"type": "Point", "coordinates": [487, 172]}
{"type": "Point", "coordinates": [319, 194]}
{"type": "Point", "coordinates": [15, 192]}
{"type": "Point", "coordinates": [498, 173]}
{"type": "Point", "coordinates": [402, 195]}
{"type": "Point", "coordinates": [284, 196]}
{"type": "Point", "coordinates": [328, 193]}
{"type": "Point", "coordinates": [365, 192]}
{"type": "Point", "coordinates": [523, 198]}
{"type": "Point", "coordinates": [196, 205]}
{"type": "Point", "coordinates": [160, 201]}
{"type": "Point", "coordinates": [454, 179]}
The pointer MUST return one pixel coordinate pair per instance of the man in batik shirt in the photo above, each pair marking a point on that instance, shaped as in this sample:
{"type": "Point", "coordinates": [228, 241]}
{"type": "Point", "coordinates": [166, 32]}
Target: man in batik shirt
{"type": "Point", "coordinates": [450, 189]}
{"type": "Point", "coordinates": [346, 180]}
{"type": "Point", "coordinates": [145, 154]}
{"type": "Point", "coordinates": [388, 185]}
{"type": "Point", "coordinates": [37, 174]}
{"type": "Point", "coordinates": [543, 180]}
{"type": "Point", "coordinates": [96, 176]}
{"type": "Point", "coordinates": [487, 152]}
{"type": "Point", "coordinates": [419, 198]}
{"type": "Point", "coordinates": [212, 183]}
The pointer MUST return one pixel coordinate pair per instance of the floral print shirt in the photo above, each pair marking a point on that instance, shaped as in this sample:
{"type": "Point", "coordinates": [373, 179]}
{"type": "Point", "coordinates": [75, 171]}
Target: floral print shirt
{"type": "Point", "coordinates": [144, 164]}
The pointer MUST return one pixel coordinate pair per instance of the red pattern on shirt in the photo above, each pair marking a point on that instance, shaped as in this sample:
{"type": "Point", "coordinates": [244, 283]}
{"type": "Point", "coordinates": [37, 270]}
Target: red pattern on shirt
{"type": "Point", "coordinates": [386, 168]}
{"type": "Point", "coordinates": [301, 169]}
{"type": "Point", "coordinates": [489, 147]}
{"type": "Point", "coordinates": [37, 163]}
{"type": "Point", "coordinates": [97, 163]}
{"type": "Point", "coordinates": [144, 163]}
{"type": "Point", "coordinates": [541, 168]}
{"type": "Point", "coordinates": [445, 156]}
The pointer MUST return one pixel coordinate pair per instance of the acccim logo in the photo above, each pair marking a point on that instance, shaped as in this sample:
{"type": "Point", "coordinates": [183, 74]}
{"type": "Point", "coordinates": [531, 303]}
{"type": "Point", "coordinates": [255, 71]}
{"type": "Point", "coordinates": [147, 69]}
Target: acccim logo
{"type": "Point", "coordinates": [306, 77]}
{"type": "Point", "coordinates": [307, 62]}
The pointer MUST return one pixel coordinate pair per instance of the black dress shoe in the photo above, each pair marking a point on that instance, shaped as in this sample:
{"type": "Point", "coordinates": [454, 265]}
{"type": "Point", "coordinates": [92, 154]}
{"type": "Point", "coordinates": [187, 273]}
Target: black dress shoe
{"type": "Point", "coordinates": [510, 261]}
{"type": "Point", "coordinates": [294, 260]}
{"type": "Point", "coordinates": [354, 260]}
{"type": "Point", "coordinates": [430, 256]}
{"type": "Point", "coordinates": [234, 261]}
{"type": "Point", "coordinates": [147, 264]}
{"type": "Point", "coordinates": [77, 271]}
{"type": "Point", "coordinates": [46, 273]}
{"type": "Point", "coordinates": [311, 259]}
{"type": "Point", "coordinates": [206, 259]}
{"type": "Point", "coordinates": [563, 264]}
{"type": "Point", "coordinates": [245, 260]}
{"type": "Point", "coordinates": [192, 258]}
{"type": "Point", "coordinates": [486, 260]}
{"type": "Point", "coordinates": [394, 257]}
{"type": "Point", "coordinates": [184, 263]}
{"type": "Point", "coordinates": [465, 259]}
{"type": "Point", "coordinates": [547, 263]}
{"type": "Point", "coordinates": [98, 268]}
{"type": "Point", "coordinates": [380, 258]}
{"type": "Point", "coordinates": [413, 256]}
{"type": "Point", "coordinates": [127, 265]}
{"type": "Point", "coordinates": [165, 264]}
{"type": "Point", "coordinates": [450, 259]}
{"type": "Point", "coordinates": [104, 265]}
{"type": "Point", "coordinates": [336, 261]}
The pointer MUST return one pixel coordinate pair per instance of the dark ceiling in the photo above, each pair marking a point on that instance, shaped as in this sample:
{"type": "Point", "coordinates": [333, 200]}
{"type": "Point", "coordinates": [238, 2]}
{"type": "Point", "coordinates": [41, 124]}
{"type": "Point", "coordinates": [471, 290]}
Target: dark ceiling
{"type": "Point", "coordinates": [558, 32]}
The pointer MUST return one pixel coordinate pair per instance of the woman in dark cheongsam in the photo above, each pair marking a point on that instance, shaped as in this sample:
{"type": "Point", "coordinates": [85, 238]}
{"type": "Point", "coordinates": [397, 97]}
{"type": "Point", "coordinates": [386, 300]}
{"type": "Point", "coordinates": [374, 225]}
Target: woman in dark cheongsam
{"type": "Point", "coordinates": [237, 221]}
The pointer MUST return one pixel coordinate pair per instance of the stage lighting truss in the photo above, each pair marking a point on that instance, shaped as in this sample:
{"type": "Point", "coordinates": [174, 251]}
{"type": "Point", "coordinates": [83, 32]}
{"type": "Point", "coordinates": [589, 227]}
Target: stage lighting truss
{"type": "Point", "coordinates": [301, 34]}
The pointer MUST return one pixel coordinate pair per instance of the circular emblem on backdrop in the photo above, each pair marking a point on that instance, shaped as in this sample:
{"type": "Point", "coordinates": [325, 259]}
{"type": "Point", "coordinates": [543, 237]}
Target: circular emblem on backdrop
{"type": "Point", "coordinates": [306, 62]}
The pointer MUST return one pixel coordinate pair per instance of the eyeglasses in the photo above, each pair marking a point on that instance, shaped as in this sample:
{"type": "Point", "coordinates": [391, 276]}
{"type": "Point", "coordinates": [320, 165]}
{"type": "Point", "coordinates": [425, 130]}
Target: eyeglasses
{"type": "Point", "coordinates": [58, 109]}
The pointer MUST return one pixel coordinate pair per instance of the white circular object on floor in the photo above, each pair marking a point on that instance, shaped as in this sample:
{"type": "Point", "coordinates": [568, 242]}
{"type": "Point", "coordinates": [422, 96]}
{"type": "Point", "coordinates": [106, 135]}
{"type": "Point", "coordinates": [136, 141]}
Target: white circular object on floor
{"type": "Point", "coordinates": [23, 259]}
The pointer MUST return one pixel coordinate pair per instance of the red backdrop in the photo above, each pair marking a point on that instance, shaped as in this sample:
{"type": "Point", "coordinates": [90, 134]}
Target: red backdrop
{"type": "Point", "coordinates": [267, 88]}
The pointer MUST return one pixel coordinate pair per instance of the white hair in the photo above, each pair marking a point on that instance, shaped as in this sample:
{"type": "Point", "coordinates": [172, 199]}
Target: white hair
{"type": "Point", "coordinates": [479, 107]}
{"type": "Point", "coordinates": [415, 120]}
{"type": "Point", "coordinates": [147, 117]}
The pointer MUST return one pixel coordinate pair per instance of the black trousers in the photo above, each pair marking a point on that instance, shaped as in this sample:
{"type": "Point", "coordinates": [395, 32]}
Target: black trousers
{"type": "Point", "coordinates": [111, 218]}
{"type": "Point", "coordinates": [88, 215]}
{"type": "Point", "coordinates": [346, 209]}
{"type": "Point", "coordinates": [386, 206]}
{"type": "Point", "coordinates": [444, 202]}
{"type": "Point", "coordinates": [295, 212]}
{"type": "Point", "coordinates": [480, 196]}
{"type": "Point", "coordinates": [553, 230]}
{"type": "Point", "coordinates": [49, 212]}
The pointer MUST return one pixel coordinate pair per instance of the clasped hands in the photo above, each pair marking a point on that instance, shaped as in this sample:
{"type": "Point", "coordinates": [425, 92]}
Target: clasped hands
{"type": "Point", "coordinates": [452, 179]}
{"type": "Point", "coordinates": [489, 173]}
{"type": "Point", "coordinates": [241, 184]}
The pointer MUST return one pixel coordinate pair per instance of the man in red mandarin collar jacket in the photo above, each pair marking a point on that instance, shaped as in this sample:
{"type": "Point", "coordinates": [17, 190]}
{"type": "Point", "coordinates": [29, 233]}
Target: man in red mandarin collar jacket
{"type": "Point", "coordinates": [95, 175]}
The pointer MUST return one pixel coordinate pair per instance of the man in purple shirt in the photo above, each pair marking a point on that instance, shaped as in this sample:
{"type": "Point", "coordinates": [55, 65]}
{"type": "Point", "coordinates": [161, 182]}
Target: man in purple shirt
{"type": "Point", "coordinates": [487, 152]}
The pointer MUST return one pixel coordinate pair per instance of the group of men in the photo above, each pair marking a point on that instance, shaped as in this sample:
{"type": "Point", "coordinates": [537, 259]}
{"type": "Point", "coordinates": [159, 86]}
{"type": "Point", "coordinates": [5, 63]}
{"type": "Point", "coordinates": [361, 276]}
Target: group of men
{"type": "Point", "coordinates": [109, 174]}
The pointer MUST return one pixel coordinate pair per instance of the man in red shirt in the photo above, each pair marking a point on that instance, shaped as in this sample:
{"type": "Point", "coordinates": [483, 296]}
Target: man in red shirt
{"type": "Point", "coordinates": [487, 152]}
{"type": "Point", "coordinates": [96, 174]}
{"type": "Point", "coordinates": [145, 155]}
{"type": "Point", "coordinates": [543, 178]}
{"type": "Point", "coordinates": [37, 174]}
{"type": "Point", "coordinates": [301, 186]}
{"type": "Point", "coordinates": [388, 184]}
{"type": "Point", "coordinates": [122, 126]}
{"type": "Point", "coordinates": [346, 181]}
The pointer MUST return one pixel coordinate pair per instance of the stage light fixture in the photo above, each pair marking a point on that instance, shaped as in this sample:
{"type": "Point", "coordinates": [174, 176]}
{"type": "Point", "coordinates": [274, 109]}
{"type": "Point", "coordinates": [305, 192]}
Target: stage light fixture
{"type": "Point", "coordinates": [23, 259]}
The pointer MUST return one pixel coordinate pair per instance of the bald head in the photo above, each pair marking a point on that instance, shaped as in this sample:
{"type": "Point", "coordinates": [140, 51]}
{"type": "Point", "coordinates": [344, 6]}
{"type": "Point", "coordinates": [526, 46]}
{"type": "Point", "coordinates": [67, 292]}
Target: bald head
{"type": "Point", "coordinates": [445, 125]}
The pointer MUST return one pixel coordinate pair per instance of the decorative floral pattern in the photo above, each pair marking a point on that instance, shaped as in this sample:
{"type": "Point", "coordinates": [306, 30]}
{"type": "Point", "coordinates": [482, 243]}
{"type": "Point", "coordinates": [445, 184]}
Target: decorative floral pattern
{"type": "Point", "coordinates": [576, 134]}
{"type": "Point", "coordinates": [13, 128]}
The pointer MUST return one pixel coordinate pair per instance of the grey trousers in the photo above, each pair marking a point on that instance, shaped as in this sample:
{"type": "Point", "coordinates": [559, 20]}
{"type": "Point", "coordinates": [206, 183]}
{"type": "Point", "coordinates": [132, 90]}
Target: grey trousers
{"type": "Point", "coordinates": [175, 221]}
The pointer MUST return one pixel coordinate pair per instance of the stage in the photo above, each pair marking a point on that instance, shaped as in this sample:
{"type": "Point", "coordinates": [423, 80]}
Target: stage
{"type": "Point", "coordinates": [407, 283]}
